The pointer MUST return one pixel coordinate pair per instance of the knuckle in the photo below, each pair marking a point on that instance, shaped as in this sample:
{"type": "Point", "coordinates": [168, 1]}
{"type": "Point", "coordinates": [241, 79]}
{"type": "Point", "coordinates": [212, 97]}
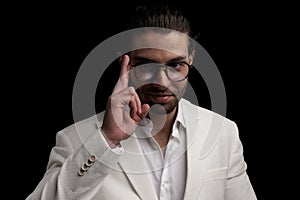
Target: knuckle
{"type": "Point", "coordinates": [132, 98]}
{"type": "Point", "coordinates": [131, 89]}
{"type": "Point", "coordinates": [112, 99]}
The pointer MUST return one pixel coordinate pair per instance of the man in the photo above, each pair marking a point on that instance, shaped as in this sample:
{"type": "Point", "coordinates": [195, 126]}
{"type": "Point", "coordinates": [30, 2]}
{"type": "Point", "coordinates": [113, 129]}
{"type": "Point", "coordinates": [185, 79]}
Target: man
{"type": "Point", "coordinates": [148, 142]}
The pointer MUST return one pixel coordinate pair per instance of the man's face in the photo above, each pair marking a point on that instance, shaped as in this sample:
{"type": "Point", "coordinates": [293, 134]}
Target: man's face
{"type": "Point", "coordinates": [171, 48]}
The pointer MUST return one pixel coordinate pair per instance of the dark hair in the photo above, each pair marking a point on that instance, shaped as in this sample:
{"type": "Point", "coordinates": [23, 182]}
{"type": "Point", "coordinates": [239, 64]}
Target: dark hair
{"type": "Point", "coordinates": [162, 16]}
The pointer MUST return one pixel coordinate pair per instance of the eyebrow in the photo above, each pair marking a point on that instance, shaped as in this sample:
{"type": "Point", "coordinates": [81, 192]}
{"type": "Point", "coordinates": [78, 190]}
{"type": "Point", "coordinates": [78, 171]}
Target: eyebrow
{"type": "Point", "coordinates": [143, 59]}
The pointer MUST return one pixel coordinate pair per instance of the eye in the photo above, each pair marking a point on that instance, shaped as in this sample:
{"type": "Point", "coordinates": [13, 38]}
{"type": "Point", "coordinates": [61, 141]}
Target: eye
{"type": "Point", "coordinates": [177, 65]}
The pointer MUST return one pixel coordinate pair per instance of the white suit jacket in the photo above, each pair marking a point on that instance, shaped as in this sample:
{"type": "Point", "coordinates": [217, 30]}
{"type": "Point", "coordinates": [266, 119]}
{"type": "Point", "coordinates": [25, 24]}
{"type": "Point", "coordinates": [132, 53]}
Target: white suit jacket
{"type": "Point", "coordinates": [216, 169]}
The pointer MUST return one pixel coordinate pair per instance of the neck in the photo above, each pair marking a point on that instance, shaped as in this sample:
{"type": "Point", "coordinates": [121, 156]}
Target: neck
{"type": "Point", "coordinates": [162, 126]}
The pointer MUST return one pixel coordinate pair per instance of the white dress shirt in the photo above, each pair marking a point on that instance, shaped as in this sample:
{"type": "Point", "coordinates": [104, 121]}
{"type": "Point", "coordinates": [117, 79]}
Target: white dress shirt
{"type": "Point", "coordinates": [168, 173]}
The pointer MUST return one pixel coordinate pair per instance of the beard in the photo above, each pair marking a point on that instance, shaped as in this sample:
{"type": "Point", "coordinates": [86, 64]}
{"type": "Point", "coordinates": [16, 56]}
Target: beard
{"type": "Point", "coordinates": [146, 93]}
{"type": "Point", "coordinates": [162, 108]}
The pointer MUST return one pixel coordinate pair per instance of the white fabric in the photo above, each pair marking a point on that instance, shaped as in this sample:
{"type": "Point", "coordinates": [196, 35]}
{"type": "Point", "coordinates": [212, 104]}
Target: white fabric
{"type": "Point", "coordinates": [216, 169]}
{"type": "Point", "coordinates": [167, 173]}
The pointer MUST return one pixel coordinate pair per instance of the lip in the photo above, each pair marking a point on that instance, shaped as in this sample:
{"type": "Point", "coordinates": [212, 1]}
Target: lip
{"type": "Point", "coordinates": [160, 98]}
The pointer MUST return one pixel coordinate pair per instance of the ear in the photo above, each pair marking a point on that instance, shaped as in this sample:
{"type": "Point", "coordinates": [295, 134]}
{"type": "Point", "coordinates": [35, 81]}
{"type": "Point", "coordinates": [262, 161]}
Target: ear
{"type": "Point", "coordinates": [191, 57]}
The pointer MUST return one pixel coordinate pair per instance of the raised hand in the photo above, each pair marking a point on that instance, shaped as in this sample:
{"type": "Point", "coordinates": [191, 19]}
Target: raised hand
{"type": "Point", "coordinates": [120, 122]}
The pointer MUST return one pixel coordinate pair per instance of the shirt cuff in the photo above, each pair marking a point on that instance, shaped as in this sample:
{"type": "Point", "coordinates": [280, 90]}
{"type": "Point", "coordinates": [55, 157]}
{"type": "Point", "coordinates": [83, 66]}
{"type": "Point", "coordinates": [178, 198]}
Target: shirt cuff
{"type": "Point", "coordinates": [118, 149]}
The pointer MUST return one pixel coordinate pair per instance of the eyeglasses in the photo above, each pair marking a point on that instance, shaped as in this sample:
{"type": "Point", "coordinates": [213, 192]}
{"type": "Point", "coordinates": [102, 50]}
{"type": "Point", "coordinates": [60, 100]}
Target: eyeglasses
{"type": "Point", "coordinates": [175, 71]}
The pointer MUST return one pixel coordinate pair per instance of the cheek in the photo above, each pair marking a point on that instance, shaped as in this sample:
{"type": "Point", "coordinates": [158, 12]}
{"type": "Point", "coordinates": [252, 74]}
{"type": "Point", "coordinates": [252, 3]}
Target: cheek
{"type": "Point", "coordinates": [180, 87]}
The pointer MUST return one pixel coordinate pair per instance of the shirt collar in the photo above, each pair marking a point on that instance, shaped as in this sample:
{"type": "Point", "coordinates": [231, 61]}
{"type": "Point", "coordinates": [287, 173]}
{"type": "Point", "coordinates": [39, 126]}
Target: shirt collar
{"type": "Point", "coordinates": [145, 126]}
{"type": "Point", "coordinates": [179, 116]}
{"type": "Point", "coordinates": [179, 121]}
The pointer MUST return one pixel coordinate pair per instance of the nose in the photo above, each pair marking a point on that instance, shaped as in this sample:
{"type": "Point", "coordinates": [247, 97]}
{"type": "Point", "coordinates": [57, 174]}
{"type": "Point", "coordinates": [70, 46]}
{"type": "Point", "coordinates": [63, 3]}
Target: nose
{"type": "Point", "coordinates": [161, 79]}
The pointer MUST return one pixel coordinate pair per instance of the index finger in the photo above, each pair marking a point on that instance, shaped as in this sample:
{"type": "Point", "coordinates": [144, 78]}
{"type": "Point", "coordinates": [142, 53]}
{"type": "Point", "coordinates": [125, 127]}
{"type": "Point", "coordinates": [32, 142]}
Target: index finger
{"type": "Point", "coordinates": [124, 77]}
{"type": "Point", "coordinates": [124, 65]}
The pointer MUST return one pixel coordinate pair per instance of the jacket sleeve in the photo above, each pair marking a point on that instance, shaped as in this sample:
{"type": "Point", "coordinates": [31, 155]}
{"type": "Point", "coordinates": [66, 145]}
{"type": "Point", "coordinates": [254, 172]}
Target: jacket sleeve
{"type": "Point", "coordinates": [76, 171]}
{"type": "Point", "coordinates": [238, 185]}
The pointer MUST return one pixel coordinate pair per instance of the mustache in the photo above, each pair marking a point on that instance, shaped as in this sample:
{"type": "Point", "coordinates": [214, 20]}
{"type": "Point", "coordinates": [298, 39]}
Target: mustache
{"type": "Point", "coordinates": [160, 91]}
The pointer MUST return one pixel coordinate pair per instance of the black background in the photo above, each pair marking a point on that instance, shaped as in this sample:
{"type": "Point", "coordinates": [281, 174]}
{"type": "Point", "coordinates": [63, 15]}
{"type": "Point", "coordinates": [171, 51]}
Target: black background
{"type": "Point", "coordinates": [45, 45]}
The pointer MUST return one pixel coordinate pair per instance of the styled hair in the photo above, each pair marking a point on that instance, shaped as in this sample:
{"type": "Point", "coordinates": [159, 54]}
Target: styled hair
{"type": "Point", "coordinates": [162, 16]}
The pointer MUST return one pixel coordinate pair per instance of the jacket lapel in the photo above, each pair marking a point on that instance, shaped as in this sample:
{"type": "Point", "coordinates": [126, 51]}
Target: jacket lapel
{"type": "Point", "coordinates": [196, 130]}
{"type": "Point", "coordinates": [133, 164]}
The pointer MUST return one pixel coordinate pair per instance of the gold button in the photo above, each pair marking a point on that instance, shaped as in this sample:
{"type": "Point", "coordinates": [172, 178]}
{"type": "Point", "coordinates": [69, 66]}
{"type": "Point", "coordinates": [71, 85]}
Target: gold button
{"type": "Point", "coordinates": [88, 163]}
{"type": "Point", "coordinates": [81, 172]}
{"type": "Point", "coordinates": [84, 167]}
{"type": "Point", "coordinates": [92, 158]}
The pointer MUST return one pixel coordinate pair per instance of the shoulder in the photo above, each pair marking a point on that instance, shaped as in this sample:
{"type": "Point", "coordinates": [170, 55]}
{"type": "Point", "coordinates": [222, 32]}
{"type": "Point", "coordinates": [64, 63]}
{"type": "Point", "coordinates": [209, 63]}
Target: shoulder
{"type": "Point", "coordinates": [217, 126]}
{"type": "Point", "coordinates": [81, 130]}
{"type": "Point", "coordinates": [189, 108]}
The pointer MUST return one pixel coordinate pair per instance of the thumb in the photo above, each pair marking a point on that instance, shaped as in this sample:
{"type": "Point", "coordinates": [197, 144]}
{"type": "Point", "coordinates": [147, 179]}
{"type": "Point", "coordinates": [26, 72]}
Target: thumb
{"type": "Point", "coordinates": [145, 110]}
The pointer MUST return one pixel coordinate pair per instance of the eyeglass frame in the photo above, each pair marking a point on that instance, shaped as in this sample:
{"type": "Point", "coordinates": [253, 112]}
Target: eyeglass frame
{"type": "Point", "coordinates": [165, 70]}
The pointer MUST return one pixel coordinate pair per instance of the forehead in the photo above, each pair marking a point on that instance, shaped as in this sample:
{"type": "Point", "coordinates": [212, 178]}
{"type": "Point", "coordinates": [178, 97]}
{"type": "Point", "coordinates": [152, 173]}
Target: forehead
{"type": "Point", "coordinates": [170, 43]}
